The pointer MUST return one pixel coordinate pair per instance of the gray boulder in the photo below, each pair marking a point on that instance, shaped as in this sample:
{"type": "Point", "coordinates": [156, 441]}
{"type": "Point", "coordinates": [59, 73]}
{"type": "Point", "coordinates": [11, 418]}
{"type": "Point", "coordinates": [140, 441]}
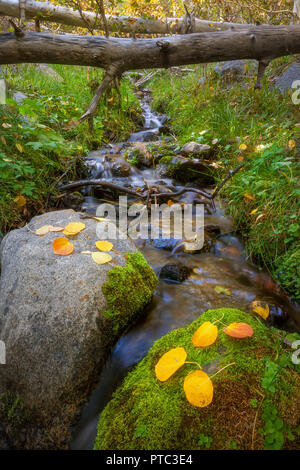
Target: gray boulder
{"type": "Point", "coordinates": [59, 315]}
{"type": "Point", "coordinates": [192, 148]}
{"type": "Point", "coordinates": [284, 83]}
{"type": "Point", "coordinates": [19, 97]}
{"type": "Point", "coordinates": [234, 69]}
{"type": "Point", "coordinates": [44, 69]}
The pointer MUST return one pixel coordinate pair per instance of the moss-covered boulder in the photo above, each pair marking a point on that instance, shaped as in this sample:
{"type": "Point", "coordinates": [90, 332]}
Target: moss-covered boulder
{"type": "Point", "coordinates": [256, 401]}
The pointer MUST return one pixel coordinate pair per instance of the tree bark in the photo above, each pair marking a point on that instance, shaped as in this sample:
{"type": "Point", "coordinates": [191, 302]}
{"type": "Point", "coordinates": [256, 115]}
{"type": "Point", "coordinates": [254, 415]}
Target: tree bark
{"type": "Point", "coordinates": [125, 24]}
{"type": "Point", "coordinates": [296, 11]}
{"type": "Point", "coordinates": [257, 42]}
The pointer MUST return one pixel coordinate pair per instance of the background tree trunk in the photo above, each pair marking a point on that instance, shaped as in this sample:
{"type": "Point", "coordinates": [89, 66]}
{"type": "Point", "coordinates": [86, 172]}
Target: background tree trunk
{"type": "Point", "coordinates": [125, 24]}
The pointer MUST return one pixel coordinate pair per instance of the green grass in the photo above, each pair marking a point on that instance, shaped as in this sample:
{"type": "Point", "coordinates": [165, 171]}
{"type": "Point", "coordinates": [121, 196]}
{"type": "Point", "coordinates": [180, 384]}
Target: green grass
{"type": "Point", "coordinates": [265, 121]}
{"type": "Point", "coordinates": [42, 139]}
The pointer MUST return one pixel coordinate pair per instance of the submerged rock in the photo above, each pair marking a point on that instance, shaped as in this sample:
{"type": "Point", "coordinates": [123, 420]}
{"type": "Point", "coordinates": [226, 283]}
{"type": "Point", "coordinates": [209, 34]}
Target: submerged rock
{"type": "Point", "coordinates": [191, 169]}
{"type": "Point", "coordinates": [59, 315]}
{"type": "Point", "coordinates": [147, 414]}
{"type": "Point", "coordinates": [174, 272]}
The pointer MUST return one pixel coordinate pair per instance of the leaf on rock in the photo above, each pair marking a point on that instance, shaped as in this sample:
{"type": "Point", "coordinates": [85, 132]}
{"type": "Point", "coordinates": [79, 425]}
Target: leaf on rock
{"type": "Point", "coordinates": [43, 230]}
{"type": "Point", "coordinates": [198, 389]}
{"type": "Point", "coordinates": [104, 245]}
{"type": "Point", "coordinates": [239, 330]}
{"type": "Point", "coordinates": [62, 246]}
{"type": "Point", "coordinates": [73, 228]}
{"type": "Point", "coordinates": [222, 290]}
{"type": "Point", "coordinates": [169, 363]}
{"type": "Point", "coordinates": [101, 258]}
{"type": "Point", "coordinates": [206, 335]}
{"type": "Point", "coordinates": [47, 228]}
{"type": "Point", "coordinates": [56, 229]}
{"type": "Point", "coordinates": [261, 308]}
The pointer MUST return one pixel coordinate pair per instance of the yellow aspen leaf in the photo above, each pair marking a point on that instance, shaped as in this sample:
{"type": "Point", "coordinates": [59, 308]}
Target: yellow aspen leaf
{"type": "Point", "coordinates": [222, 290]}
{"type": "Point", "coordinates": [170, 202]}
{"type": "Point", "coordinates": [239, 330]}
{"type": "Point", "coordinates": [254, 211]}
{"type": "Point", "coordinates": [101, 258]}
{"type": "Point", "coordinates": [43, 230]}
{"type": "Point", "coordinates": [19, 147]}
{"type": "Point", "coordinates": [248, 196]}
{"type": "Point", "coordinates": [261, 308]}
{"type": "Point", "coordinates": [20, 201]}
{"type": "Point", "coordinates": [169, 363]}
{"type": "Point", "coordinates": [100, 219]}
{"type": "Point", "coordinates": [291, 144]}
{"type": "Point", "coordinates": [198, 389]}
{"type": "Point", "coordinates": [73, 228]}
{"type": "Point", "coordinates": [243, 147]}
{"type": "Point", "coordinates": [56, 229]}
{"type": "Point", "coordinates": [104, 245]}
{"type": "Point", "coordinates": [206, 335]}
{"type": "Point", "coordinates": [62, 246]}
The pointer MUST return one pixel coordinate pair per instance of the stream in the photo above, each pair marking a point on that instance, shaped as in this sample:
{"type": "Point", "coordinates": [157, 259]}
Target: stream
{"type": "Point", "coordinates": [187, 285]}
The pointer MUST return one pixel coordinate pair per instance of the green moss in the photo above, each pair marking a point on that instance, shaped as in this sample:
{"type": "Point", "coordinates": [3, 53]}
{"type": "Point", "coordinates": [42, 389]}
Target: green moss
{"type": "Point", "coordinates": [129, 290]}
{"type": "Point", "coordinates": [13, 410]}
{"type": "Point", "coordinates": [147, 414]}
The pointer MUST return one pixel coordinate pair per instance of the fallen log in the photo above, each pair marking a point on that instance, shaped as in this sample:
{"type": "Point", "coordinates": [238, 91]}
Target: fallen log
{"type": "Point", "coordinates": [125, 24]}
{"type": "Point", "coordinates": [117, 55]}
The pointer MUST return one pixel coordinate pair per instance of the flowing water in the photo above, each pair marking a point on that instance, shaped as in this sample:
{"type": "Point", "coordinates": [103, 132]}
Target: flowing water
{"type": "Point", "coordinates": [222, 262]}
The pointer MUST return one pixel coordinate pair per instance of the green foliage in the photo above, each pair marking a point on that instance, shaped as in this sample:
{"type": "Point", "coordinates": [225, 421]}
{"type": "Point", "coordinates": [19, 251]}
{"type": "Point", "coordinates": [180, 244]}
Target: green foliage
{"type": "Point", "coordinates": [41, 138]}
{"type": "Point", "coordinates": [233, 446]}
{"type": "Point", "coordinates": [273, 427]}
{"type": "Point", "coordinates": [13, 409]}
{"type": "Point", "coordinates": [204, 441]}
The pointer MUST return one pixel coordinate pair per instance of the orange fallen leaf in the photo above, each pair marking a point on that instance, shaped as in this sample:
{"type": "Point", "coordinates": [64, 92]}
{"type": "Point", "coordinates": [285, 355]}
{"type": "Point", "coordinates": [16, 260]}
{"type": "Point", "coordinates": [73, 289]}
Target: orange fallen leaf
{"type": "Point", "coordinates": [206, 335]}
{"type": "Point", "coordinates": [248, 196]}
{"type": "Point", "coordinates": [198, 389]}
{"type": "Point", "coordinates": [169, 363]}
{"type": "Point", "coordinates": [20, 201]}
{"type": "Point", "coordinates": [104, 245]}
{"type": "Point", "coordinates": [239, 330]}
{"type": "Point", "coordinates": [62, 246]}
